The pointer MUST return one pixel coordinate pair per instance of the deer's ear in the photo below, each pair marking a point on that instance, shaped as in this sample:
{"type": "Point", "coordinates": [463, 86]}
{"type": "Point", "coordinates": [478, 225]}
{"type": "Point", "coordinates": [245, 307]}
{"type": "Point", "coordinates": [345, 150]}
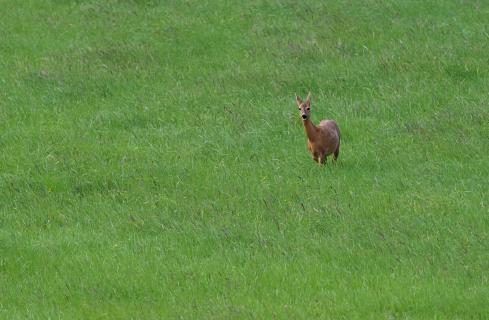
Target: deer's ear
{"type": "Point", "coordinates": [308, 99]}
{"type": "Point", "coordinates": [298, 100]}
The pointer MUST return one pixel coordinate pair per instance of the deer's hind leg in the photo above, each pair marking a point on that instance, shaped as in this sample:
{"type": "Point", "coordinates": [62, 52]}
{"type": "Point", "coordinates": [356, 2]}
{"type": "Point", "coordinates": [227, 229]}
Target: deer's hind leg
{"type": "Point", "coordinates": [336, 153]}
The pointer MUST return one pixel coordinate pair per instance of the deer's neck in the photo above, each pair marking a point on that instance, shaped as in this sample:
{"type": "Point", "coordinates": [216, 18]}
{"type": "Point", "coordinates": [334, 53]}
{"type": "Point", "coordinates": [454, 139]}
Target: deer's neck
{"type": "Point", "coordinates": [310, 129]}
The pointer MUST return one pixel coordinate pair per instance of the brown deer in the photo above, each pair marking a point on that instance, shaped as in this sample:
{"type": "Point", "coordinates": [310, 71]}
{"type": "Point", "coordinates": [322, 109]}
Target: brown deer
{"type": "Point", "coordinates": [322, 140]}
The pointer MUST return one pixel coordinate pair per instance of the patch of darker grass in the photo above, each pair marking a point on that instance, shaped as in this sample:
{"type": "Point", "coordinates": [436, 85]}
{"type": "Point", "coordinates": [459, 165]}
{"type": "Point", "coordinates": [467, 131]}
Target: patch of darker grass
{"type": "Point", "coordinates": [462, 72]}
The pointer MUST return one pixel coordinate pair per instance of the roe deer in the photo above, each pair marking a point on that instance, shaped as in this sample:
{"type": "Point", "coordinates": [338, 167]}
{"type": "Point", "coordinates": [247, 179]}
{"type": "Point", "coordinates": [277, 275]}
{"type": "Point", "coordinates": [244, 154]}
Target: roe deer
{"type": "Point", "coordinates": [322, 140]}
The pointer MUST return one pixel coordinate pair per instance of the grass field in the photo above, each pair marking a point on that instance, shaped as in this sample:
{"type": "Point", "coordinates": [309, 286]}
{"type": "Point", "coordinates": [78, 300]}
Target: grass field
{"type": "Point", "coordinates": [153, 163]}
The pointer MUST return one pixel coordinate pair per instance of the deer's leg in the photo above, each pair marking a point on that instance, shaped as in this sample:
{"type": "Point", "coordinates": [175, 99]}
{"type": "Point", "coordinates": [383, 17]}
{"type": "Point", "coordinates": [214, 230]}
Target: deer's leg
{"type": "Point", "coordinates": [315, 156]}
{"type": "Point", "coordinates": [322, 160]}
{"type": "Point", "coordinates": [336, 153]}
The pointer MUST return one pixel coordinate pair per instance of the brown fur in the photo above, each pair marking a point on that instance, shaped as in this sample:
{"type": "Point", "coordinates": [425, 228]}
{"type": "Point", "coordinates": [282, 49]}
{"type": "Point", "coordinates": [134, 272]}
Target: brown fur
{"type": "Point", "coordinates": [323, 139]}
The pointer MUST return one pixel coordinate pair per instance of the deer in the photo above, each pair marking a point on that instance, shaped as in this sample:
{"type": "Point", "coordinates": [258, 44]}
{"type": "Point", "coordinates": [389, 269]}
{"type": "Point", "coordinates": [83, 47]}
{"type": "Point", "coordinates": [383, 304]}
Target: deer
{"type": "Point", "coordinates": [323, 139]}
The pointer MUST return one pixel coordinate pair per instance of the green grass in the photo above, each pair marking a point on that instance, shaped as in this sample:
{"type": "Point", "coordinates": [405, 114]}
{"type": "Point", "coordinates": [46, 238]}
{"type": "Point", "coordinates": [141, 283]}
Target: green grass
{"type": "Point", "coordinates": [153, 163]}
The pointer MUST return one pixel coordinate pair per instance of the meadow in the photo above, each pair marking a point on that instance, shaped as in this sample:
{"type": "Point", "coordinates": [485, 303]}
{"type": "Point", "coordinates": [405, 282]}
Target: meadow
{"type": "Point", "coordinates": [153, 163]}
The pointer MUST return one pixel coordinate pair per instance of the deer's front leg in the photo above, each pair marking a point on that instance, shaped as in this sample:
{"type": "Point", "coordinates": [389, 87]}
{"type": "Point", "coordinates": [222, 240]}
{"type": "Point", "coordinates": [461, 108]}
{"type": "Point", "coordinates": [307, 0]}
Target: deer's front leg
{"type": "Point", "coordinates": [315, 157]}
{"type": "Point", "coordinates": [322, 159]}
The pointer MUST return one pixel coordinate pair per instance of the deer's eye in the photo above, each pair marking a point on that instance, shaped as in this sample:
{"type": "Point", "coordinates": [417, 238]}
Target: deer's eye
{"type": "Point", "coordinates": [308, 108]}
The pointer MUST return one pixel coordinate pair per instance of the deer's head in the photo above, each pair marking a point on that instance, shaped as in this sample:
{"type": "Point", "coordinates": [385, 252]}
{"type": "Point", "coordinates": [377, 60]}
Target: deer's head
{"type": "Point", "coordinates": [304, 106]}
